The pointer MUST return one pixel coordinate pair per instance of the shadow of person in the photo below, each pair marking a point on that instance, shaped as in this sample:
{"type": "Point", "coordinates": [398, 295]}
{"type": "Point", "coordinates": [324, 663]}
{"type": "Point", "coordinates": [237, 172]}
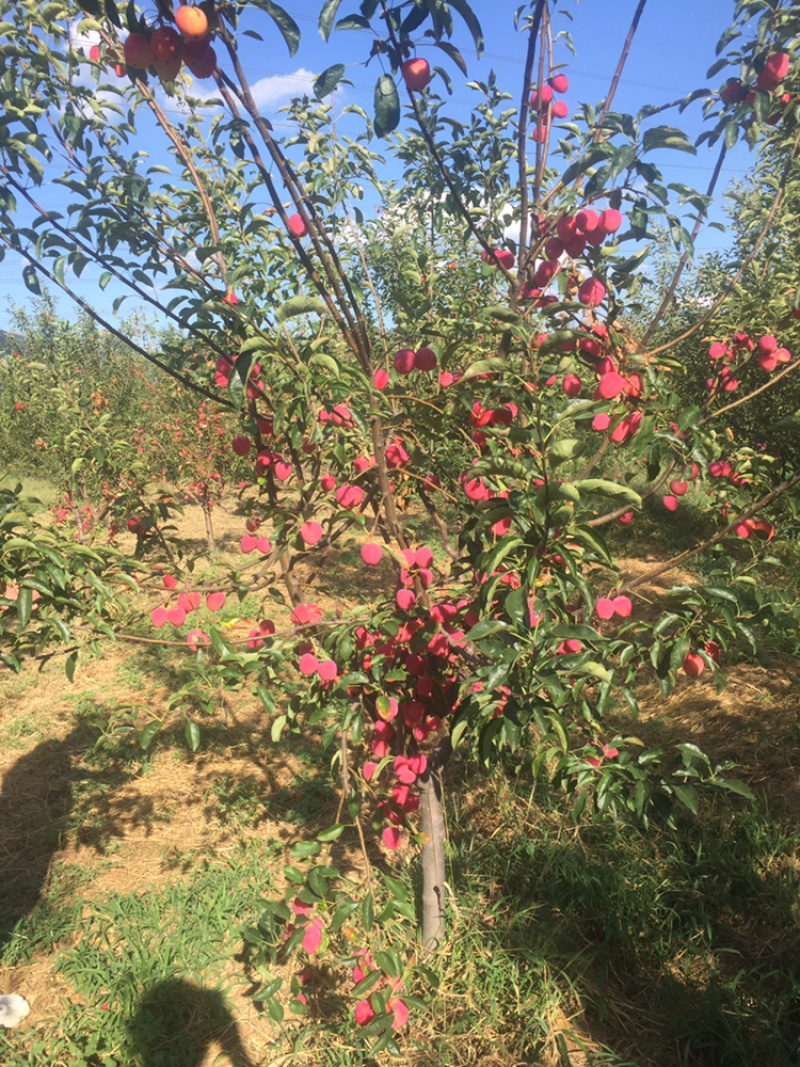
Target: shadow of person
{"type": "Point", "coordinates": [177, 1022]}
{"type": "Point", "coordinates": [61, 784]}
{"type": "Point", "coordinates": [35, 803]}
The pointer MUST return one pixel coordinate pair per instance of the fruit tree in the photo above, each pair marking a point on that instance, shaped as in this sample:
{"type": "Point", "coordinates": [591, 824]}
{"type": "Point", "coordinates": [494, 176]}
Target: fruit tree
{"type": "Point", "coordinates": [463, 378]}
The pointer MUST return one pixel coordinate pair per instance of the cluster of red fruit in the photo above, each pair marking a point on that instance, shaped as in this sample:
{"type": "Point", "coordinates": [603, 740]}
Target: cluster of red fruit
{"type": "Point", "coordinates": [166, 49]}
{"type": "Point", "coordinates": [545, 107]}
{"type": "Point", "coordinates": [772, 74]}
{"type": "Point", "coordinates": [572, 234]}
{"type": "Point", "coordinates": [743, 348]}
{"type": "Point", "coordinates": [406, 360]}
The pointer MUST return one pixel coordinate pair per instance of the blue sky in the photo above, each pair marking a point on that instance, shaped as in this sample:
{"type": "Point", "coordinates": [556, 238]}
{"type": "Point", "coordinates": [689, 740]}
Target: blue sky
{"type": "Point", "coordinates": [673, 48]}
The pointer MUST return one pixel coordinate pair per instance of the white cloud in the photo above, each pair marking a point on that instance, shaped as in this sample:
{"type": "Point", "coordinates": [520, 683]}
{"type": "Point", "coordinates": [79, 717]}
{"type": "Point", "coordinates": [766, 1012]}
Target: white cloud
{"type": "Point", "coordinates": [268, 91]}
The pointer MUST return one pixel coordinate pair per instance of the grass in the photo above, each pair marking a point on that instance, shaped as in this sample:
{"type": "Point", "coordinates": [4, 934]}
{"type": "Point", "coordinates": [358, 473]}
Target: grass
{"type": "Point", "coordinates": [37, 495]}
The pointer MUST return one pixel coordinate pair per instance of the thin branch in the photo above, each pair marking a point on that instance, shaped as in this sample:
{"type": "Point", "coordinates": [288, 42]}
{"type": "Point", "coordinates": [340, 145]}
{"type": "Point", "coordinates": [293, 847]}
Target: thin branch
{"type": "Point", "coordinates": [626, 48]}
{"type": "Point", "coordinates": [676, 277]}
{"type": "Point", "coordinates": [670, 564]}
{"type": "Point", "coordinates": [747, 260]}
{"type": "Point", "coordinates": [522, 137]}
{"type": "Point", "coordinates": [101, 321]}
{"type": "Point", "coordinates": [743, 399]}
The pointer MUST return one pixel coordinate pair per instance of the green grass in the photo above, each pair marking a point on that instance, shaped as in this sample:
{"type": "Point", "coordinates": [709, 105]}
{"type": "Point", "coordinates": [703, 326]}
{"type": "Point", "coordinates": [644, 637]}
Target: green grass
{"type": "Point", "coordinates": [37, 495]}
{"type": "Point", "coordinates": [149, 970]}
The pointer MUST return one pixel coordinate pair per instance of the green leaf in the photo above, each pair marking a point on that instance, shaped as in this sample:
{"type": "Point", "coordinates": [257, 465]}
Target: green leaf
{"type": "Point", "coordinates": [474, 27]}
{"type": "Point", "coordinates": [285, 23]}
{"type": "Point", "coordinates": [731, 134]}
{"type": "Point", "coordinates": [454, 54]}
{"type": "Point", "coordinates": [687, 795]}
{"type": "Point", "coordinates": [326, 17]}
{"type": "Point", "coordinates": [326, 361]}
{"type": "Point", "coordinates": [352, 22]}
{"type": "Point", "coordinates": [607, 488]}
{"type": "Point", "coordinates": [387, 106]}
{"type": "Point", "coordinates": [69, 666]}
{"type": "Point", "coordinates": [148, 733]}
{"type": "Point", "coordinates": [567, 448]}
{"type": "Point", "coordinates": [193, 737]}
{"type": "Point", "coordinates": [667, 137]}
{"type": "Point", "coordinates": [24, 606]}
{"type": "Point", "coordinates": [735, 786]}
{"type": "Point", "coordinates": [299, 305]}
{"type": "Point", "coordinates": [483, 366]}
{"type": "Point", "coordinates": [331, 833]}
{"type": "Point", "coordinates": [31, 279]}
{"type": "Point", "coordinates": [597, 670]}
{"type": "Point", "coordinates": [328, 80]}
{"type": "Point", "coordinates": [303, 849]}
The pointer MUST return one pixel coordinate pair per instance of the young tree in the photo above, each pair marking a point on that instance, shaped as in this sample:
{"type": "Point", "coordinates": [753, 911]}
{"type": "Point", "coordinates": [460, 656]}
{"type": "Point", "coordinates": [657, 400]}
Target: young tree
{"type": "Point", "coordinates": [368, 390]}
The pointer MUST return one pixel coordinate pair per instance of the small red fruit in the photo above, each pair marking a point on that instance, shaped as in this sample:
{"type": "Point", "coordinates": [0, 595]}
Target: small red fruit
{"type": "Point", "coordinates": [425, 359]}
{"type": "Point", "coordinates": [166, 43]}
{"type": "Point", "coordinates": [499, 256]}
{"type": "Point", "coordinates": [571, 385]}
{"type": "Point", "coordinates": [404, 360]}
{"type": "Point", "coordinates": [560, 83]}
{"type": "Point", "coordinates": [138, 51]}
{"type": "Point", "coordinates": [416, 74]}
{"type": "Point", "coordinates": [200, 58]}
{"type": "Point", "coordinates": [694, 664]}
{"type": "Point", "coordinates": [592, 292]}
{"type": "Point", "coordinates": [192, 22]}
{"type": "Point", "coordinates": [297, 226]}
{"type": "Point", "coordinates": [94, 52]}
{"type": "Point", "coordinates": [610, 220]}
{"type": "Point", "coordinates": [587, 221]}
{"type": "Point", "coordinates": [167, 48]}
{"type": "Point", "coordinates": [733, 92]}
{"type": "Point", "coordinates": [775, 70]}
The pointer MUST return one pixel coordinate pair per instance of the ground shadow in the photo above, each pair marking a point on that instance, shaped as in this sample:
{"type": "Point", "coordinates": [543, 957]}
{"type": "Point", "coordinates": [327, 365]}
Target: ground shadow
{"type": "Point", "coordinates": [177, 1022]}
{"type": "Point", "coordinates": [683, 947]}
{"type": "Point", "coordinates": [48, 790]}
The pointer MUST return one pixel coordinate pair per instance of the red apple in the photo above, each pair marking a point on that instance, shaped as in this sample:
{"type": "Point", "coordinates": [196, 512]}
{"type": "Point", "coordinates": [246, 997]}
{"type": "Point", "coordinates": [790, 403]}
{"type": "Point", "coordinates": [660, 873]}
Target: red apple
{"type": "Point", "coordinates": [571, 385]}
{"type": "Point", "coordinates": [192, 22]}
{"type": "Point", "coordinates": [775, 70]}
{"type": "Point", "coordinates": [560, 83]}
{"type": "Point", "coordinates": [166, 43]}
{"type": "Point", "coordinates": [611, 220]}
{"type": "Point", "coordinates": [694, 664]}
{"type": "Point", "coordinates": [591, 292]}
{"type": "Point", "coordinates": [416, 74]}
{"type": "Point", "coordinates": [297, 226]}
{"type": "Point", "coordinates": [425, 359]}
{"type": "Point", "coordinates": [733, 92]}
{"type": "Point", "coordinates": [138, 51]}
{"type": "Point", "coordinates": [200, 58]}
{"type": "Point", "coordinates": [404, 360]}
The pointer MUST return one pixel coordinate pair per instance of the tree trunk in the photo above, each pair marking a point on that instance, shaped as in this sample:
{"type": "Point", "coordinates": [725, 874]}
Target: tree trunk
{"type": "Point", "coordinates": [206, 507]}
{"type": "Point", "coordinates": [433, 831]}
